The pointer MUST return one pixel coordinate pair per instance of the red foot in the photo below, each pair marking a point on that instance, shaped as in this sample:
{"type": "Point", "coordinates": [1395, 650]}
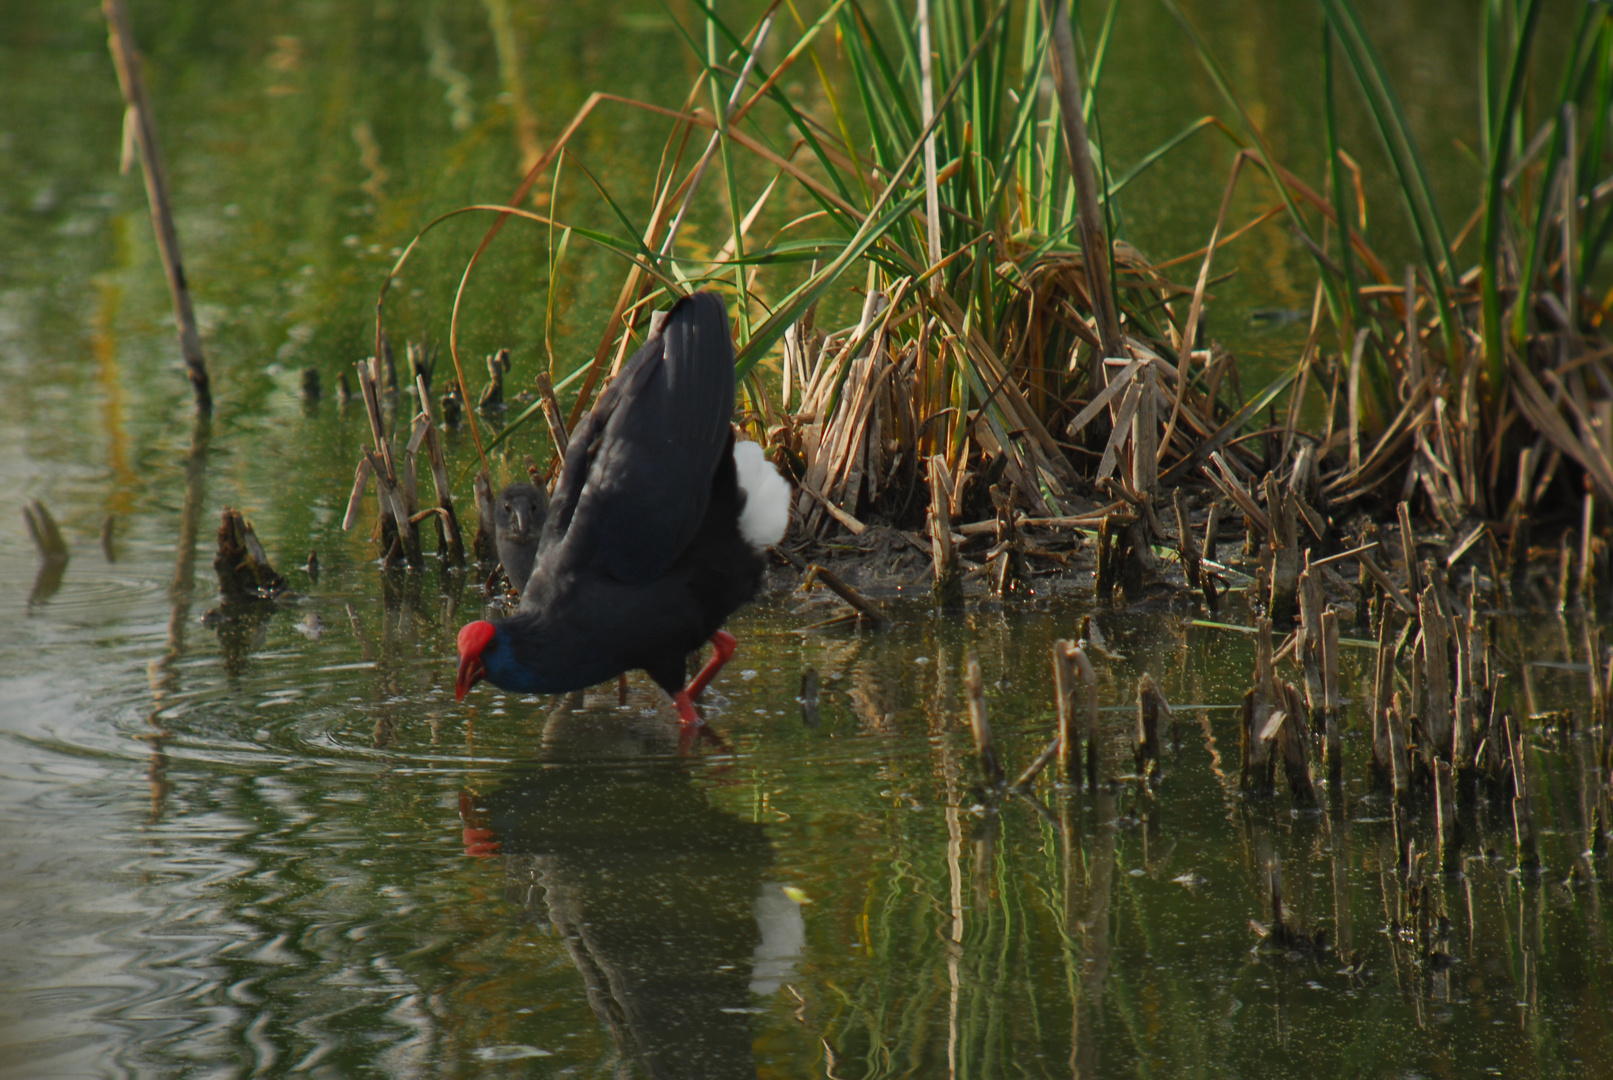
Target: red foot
{"type": "Point", "coordinates": [685, 706]}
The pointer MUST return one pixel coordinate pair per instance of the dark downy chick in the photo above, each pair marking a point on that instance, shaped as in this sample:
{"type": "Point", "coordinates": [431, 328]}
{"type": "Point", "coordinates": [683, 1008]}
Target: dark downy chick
{"type": "Point", "coordinates": [518, 516]}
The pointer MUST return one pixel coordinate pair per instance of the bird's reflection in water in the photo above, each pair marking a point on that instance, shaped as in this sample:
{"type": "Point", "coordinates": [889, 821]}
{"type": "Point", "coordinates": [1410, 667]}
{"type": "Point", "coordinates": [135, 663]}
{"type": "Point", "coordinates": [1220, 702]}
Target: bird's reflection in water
{"type": "Point", "coordinates": [663, 900]}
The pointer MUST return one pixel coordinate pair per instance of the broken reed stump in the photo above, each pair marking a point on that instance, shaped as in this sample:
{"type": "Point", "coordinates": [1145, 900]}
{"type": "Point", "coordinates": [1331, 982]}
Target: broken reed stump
{"type": "Point", "coordinates": [453, 406]}
{"type": "Point", "coordinates": [1517, 555]}
{"type": "Point", "coordinates": [980, 724]}
{"type": "Point", "coordinates": [1309, 644]}
{"type": "Point", "coordinates": [948, 587]}
{"type": "Point", "coordinates": [484, 547]}
{"type": "Point", "coordinates": [46, 534]}
{"type": "Point", "coordinates": [1152, 712]}
{"type": "Point", "coordinates": [1007, 559]}
{"type": "Point", "coordinates": [1408, 549]}
{"type": "Point", "coordinates": [492, 399]}
{"type": "Point", "coordinates": [1382, 687]}
{"type": "Point", "coordinates": [1283, 551]}
{"type": "Point", "coordinates": [386, 373]}
{"type": "Point", "coordinates": [1089, 680]}
{"type": "Point", "coordinates": [810, 716]}
{"type": "Point", "coordinates": [1289, 729]}
{"type": "Point", "coordinates": [1364, 577]}
{"type": "Point", "coordinates": [1445, 820]}
{"type": "Point", "coordinates": [1395, 722]}
{"type": "Point", "coordinates": [558, 436]}
{"type": "Point", "coordinates": [1064, 680]}
{"type": "Point", "coordinates": [398, 530]}
{"type": "Point", "coordinates": [1438, 703]}
{"type": "Point", "coordinates": [241, 563]}
{"type": "Point", "coordinates": [1465, 721]}
{"type": "Point", "coordinates": [1184, 542]}
{"type": "Point", "coordinates": [1258, 702]}
{"type": "Point", "coordinates": [450, 540]}
{"type": "Point", "coordinates": [1523, 821]}
{"type": "Point", "coordinates": [1212, 532]}
{"type": "Point", "coordinates": [52, 549]}
{"type": "Point", "coordinates": [1103, 583]}
{"type": "Point", "coordinates": [1330, 699]}
{"type": "Point", "coordinates": [1122, 539]}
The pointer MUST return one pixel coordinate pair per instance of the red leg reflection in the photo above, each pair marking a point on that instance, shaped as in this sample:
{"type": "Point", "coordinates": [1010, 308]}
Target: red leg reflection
{"type": "Point", "coordinates": [479, 839]}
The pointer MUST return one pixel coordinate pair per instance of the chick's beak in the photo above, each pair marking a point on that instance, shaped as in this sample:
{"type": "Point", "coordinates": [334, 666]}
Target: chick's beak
{"type": "Point", "coordinates": [471, 672]}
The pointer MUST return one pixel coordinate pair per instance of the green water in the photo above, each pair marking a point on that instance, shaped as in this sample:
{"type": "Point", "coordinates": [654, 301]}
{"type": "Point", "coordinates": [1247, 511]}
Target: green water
{"type": "Point", "coordinates": [232, 846]}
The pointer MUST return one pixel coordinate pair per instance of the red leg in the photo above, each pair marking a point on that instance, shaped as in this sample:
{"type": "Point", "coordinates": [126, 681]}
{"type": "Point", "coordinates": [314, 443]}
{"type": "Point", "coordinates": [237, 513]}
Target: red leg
{"type": "Point", "coordinates": [722, 643]}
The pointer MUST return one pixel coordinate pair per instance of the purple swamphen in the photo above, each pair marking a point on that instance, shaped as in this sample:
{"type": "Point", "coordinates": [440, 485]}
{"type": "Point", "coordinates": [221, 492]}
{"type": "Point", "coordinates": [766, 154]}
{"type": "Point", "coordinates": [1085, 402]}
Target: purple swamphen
{"type": "Point", "coordinates": [655, 533]}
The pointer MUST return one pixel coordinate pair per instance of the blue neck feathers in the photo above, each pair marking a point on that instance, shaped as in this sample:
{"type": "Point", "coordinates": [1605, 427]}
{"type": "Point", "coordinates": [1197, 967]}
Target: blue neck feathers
{"type": "Point", "coordinates": [508, 673]}
{"type": "Point", "coordinates": [539, 668]}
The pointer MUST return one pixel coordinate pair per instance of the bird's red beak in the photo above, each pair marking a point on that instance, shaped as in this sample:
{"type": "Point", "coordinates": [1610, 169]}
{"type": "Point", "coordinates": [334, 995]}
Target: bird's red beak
{"type": "Point", "coordinates": [473, 638]}
{"type": "Point", "coordinates": [471, 672]}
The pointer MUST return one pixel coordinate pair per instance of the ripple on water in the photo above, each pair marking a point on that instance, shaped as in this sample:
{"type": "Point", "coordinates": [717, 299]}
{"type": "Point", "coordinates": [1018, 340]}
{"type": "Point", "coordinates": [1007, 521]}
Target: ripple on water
{"type": "Point", "coordinates": [87, 587]}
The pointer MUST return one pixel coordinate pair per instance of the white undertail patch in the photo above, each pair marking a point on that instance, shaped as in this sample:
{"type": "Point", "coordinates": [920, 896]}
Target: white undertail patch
{"type": "Point", "coordinates": [767, 497]}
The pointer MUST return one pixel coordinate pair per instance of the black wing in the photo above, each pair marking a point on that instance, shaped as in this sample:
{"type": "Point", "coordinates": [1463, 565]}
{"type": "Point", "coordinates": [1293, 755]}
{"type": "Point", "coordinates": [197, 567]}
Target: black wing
{"type": "Point", "coordinates": [638, 470]}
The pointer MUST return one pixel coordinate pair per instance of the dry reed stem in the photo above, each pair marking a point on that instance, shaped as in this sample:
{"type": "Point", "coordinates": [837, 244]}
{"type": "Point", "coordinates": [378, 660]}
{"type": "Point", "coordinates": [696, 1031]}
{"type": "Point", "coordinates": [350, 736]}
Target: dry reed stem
{"type": "Point", "coordinates": [1093, 226]}
{"type": "Point", "coordinates": [851, 596]}
{"type": "Point", "coordinates": [1089, 679]}
{"type": "Point", "coordinates": [1383, 581]}
{"type": "Point", "coordinates": [126, 57]}
{"type": "Point", "coordinates": [1064, 678]}
{"type": "Point", "coordinates": [948, 589]}
{"type": "Point", "coordinates": [979, 724]}
{"type": "Point", "coordinates": [1330, 692]}
{"type": "Point", "coordinates": [454, 541]}
{"type": "Point", "coordinates": [1152, 712]}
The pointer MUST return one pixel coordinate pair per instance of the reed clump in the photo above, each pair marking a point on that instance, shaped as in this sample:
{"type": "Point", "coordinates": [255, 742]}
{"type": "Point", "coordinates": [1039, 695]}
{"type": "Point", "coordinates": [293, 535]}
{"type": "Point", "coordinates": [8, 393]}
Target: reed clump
{"type": "Point", "coordinates": [998, 368]}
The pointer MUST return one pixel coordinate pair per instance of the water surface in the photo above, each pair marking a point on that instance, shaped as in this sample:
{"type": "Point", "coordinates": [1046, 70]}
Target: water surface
{"type": "Point", "coordinates": [240, 842]}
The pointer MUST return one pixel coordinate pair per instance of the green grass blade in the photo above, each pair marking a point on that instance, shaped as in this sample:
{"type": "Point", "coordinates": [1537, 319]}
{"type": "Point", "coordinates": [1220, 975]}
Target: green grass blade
{"type": "Point", "coordinates": [1268, 162]}
{"type": "Point", "coordinates": [1597, 120]}
{"type": "Point", "coordinates": [1404, 156]}
{"type": "Point", "coordinates": [1023, 120]}
{"type": "Point", "coordinates": [1581, 47]}
{"type": "Point", "coordinates": [1330, 127]}
{"type": "Point", "coordinates": [1153, 156]}
{"type": "Point", "coordinates": [800, 123]}
{"type": "Point", "coordinates": [885, 214]}
{"type": "Point", "coordinates": [1495, 200]}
